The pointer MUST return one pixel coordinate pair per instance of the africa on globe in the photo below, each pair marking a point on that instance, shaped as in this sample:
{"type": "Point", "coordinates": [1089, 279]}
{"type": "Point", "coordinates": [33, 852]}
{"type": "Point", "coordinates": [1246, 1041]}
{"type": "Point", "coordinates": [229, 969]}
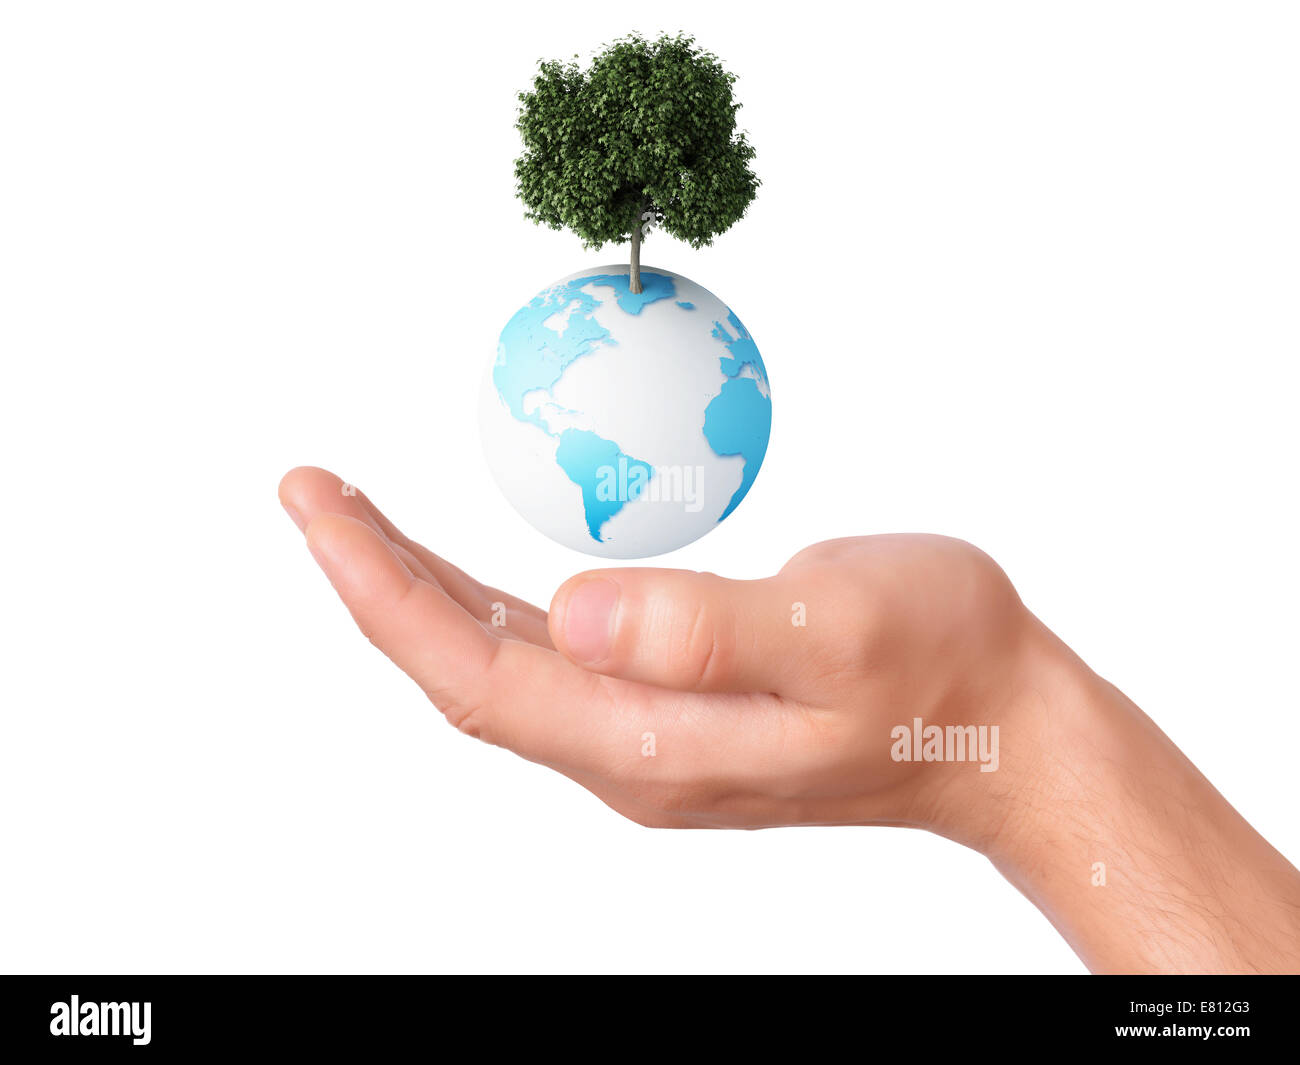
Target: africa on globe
{"type": "Point", "coordinates": [625, 424]}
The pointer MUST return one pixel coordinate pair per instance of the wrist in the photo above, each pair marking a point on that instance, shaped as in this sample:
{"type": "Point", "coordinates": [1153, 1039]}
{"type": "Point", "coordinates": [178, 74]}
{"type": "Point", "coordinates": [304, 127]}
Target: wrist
{"type": "Point", "coordinates": [1043, 701]}
{"type": "Point", "coordinates": [1103, 823]}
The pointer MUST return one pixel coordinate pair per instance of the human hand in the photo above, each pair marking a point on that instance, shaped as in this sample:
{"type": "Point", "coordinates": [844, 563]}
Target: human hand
{"type": "Point", "coordinates": [686, 700]}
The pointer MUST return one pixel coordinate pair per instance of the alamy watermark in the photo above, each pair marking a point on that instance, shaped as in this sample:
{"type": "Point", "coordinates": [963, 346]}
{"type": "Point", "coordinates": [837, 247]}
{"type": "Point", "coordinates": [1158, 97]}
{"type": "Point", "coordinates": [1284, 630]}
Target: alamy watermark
{"type": "Point", "coordinates": [626, 482]}
{"type": "Point", "coordinates": [919, 742]}
{"type": "Point", "coordinates": [75, 1017]}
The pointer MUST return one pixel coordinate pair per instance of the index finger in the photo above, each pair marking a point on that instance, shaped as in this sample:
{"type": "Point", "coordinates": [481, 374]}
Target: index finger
{"type": "Point", "coordinates": [505, 692]}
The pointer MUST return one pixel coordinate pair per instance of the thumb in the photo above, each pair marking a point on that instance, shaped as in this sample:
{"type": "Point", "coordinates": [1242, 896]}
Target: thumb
{"type": "Point", "coordinates": [673, 628]}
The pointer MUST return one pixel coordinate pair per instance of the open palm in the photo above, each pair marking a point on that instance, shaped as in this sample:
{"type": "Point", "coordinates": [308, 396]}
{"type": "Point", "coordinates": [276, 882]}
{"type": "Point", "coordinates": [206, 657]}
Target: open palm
{"type": "Point", "coordinates": [683, 699]}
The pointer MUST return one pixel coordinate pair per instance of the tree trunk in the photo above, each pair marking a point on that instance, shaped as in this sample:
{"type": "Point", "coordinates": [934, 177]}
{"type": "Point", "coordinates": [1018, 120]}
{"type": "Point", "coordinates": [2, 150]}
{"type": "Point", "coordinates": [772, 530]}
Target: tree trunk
{"type": "Point", "coordinates": [634, 282]}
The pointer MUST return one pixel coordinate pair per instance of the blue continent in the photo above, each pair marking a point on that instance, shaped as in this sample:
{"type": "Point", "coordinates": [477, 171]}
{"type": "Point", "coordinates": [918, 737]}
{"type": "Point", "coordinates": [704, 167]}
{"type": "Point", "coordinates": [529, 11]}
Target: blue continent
{"type": "Point", "coordinates": [654, 287]}
{"type": "Point", "coordinates": [590, 461]}
{"type": "Point", "coordinates": [741, 349]}
{"type": "Point", "coordinates": [738, 420]}
{"type": "Point", "coordinates": [532, 357]}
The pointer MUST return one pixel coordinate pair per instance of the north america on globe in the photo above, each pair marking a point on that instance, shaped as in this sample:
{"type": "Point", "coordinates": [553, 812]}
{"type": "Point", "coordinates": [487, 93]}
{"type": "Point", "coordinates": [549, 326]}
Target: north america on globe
{"type": "Point", "coordinates": [626, 424]}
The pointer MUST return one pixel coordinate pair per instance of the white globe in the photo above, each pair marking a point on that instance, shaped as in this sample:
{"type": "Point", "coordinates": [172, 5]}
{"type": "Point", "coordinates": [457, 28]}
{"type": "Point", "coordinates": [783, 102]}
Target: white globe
{"type": "Point", "coordinates": [625, 425]}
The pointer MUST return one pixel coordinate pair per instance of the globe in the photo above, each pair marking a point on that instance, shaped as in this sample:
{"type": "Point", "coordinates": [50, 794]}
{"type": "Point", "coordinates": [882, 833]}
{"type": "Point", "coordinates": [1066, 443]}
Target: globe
{"type": "Point", "coordinates": [625, 424]}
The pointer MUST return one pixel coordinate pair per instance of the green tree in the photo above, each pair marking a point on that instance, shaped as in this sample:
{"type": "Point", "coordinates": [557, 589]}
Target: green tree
{"type": "Point", "coordinates": [644, 138]}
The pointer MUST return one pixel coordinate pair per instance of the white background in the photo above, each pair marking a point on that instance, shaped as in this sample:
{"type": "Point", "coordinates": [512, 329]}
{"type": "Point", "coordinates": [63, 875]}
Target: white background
{"type": "Point", "coordinates": [1022, 273]}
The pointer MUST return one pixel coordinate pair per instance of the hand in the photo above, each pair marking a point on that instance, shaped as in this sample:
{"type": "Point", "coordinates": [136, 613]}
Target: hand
{"type": "Point", "coordinates": [683, 699]}
{"type": "Point", "coordinates": [687, 700]}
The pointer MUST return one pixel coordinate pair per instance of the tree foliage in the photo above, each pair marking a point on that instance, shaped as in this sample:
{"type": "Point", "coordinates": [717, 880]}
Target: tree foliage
{"type": "Point", "coordinates": [648, 129]}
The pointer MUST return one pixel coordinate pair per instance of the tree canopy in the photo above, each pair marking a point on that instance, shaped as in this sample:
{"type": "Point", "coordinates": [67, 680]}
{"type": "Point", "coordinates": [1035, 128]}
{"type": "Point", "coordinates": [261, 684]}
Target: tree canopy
{"type": "Point", "coordinates": [644, 138]}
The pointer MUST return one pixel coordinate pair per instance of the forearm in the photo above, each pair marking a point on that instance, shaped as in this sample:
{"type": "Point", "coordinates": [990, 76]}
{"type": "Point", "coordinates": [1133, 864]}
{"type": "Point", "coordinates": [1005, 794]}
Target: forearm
{"type": "Point", "coordinates": [1123, 844]}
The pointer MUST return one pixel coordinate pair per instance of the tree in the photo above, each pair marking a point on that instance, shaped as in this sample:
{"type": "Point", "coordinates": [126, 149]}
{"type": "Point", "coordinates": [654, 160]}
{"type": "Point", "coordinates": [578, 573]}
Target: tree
{"type": "Point", "coordinates": [644, 138]}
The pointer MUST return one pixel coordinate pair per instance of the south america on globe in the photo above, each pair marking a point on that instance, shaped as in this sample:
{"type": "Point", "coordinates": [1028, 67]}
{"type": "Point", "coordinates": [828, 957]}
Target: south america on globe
{"type": "Point", "coordinates": [625, 424]}
{"type": "Point", "coordinates": [628, 411]}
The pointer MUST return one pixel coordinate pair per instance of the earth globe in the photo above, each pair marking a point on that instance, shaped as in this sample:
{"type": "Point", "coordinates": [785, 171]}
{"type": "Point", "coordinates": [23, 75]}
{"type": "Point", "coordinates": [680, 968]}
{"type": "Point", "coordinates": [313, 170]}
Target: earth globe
{"type": "Point", "coordinates": [625, 424]}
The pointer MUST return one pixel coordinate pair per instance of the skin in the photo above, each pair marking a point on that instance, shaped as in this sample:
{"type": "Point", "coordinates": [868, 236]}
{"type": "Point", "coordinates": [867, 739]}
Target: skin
{"type": "Point", "coordinates": [759, 722]}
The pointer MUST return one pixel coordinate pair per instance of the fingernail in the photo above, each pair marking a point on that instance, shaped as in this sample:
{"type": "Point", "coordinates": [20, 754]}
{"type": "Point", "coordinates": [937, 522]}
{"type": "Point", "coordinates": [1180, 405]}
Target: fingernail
{"type": "Point", "coordinates": [589, 620]}
{"type": "Point", "coordinates": [297, 518]}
